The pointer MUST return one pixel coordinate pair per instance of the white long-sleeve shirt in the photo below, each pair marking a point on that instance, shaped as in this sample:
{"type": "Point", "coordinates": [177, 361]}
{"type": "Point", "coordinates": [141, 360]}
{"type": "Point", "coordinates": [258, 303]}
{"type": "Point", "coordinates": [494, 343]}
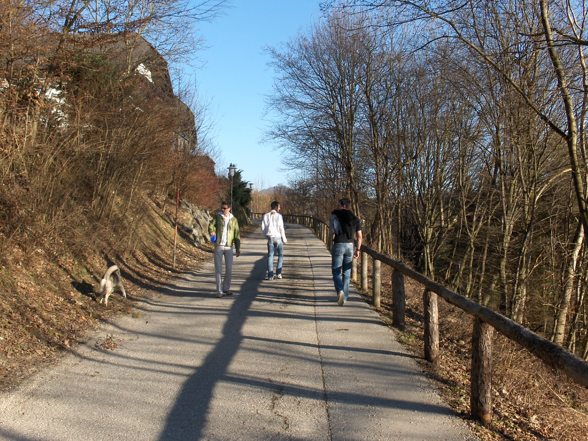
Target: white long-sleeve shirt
{"type": "Point", "coordinates": [223, 240]}
{"type": "Point", "coordinates": [272, 225]}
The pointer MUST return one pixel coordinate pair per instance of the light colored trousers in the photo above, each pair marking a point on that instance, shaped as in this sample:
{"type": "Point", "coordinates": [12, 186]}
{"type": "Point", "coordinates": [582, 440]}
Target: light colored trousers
{"type": "Point", "coordinates": [223, 285]}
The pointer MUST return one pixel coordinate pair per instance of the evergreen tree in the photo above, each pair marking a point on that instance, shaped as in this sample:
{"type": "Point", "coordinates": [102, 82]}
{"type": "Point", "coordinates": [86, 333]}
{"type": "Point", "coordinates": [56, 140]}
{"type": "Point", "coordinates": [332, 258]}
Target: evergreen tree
{"type": "Point", "coordinates": [241, 198]}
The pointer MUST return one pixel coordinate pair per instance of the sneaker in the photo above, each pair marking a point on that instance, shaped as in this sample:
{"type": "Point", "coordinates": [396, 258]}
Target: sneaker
{"type": "Point", "coordinates": [228, 292]}
{"type": "Point", "coordinates": [279, 276]}
{"type": "Point", "coordinates": [269, 277]}
{"type": "Point", "coordinates": [340, 298]}
{"type": "Point", "coordinates": [219, 295]}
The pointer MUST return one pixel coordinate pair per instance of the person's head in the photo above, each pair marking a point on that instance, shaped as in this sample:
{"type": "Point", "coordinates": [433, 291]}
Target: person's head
{"type": "Point", "coordinates": [275, 205]}
{"type": "Point", "coordinates": [344, 203]}
{"type": "Point", "coordinates": [225, 208]}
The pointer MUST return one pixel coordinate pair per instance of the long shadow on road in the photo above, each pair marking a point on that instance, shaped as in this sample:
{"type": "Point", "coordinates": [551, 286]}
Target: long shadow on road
{"type": "Point", "coordinates": [187, 419]}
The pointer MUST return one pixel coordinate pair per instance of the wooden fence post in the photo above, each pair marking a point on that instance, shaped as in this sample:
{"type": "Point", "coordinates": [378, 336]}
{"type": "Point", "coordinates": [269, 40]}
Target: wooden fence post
{"type": "Point", "coordinates": [481, 376]}
{"type": "Point", "coordinates": [364, 272]}
{"type": "Point", "coordinates": [376, 282]}
{"type": "Point", "coordinates": [398, 299]}
{"type": "Point", "coordinates": [431, 326]}
{"type": "Point", "coordinates": [354, 270]}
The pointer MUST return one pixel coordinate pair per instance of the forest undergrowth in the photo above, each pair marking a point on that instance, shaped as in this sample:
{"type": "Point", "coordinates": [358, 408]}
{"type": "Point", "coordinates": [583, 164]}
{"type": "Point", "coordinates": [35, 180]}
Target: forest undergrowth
{"type": "Point", "coordinates": [530, 400]}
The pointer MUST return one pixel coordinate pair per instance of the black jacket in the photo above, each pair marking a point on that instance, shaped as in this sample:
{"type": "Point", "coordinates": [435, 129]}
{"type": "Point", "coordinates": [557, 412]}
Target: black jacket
{"type": "Point", "coordinates": [344, 225]}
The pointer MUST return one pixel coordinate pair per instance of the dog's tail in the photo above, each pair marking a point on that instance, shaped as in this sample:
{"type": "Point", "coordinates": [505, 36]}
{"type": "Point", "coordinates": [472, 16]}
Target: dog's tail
{"type": "Point", "coordinates": [111, 270]}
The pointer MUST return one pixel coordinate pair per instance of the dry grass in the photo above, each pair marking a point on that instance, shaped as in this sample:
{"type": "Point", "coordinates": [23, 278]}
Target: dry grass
{"type": "Point", "coordinates": [531, 401]}
{"type": "Point", "coordinates": [48, 289]}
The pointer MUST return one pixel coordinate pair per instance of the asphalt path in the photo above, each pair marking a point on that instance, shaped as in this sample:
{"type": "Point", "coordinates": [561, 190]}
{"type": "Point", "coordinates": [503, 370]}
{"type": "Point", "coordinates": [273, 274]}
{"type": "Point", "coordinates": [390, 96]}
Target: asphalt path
{"type": "Point", "coordinates": [278, 361]}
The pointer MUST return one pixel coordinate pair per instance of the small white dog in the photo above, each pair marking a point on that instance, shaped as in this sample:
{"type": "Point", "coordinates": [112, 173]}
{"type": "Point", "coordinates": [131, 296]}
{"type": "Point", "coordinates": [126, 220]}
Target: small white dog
{"type": "Point", "coordinates": [111, 281]}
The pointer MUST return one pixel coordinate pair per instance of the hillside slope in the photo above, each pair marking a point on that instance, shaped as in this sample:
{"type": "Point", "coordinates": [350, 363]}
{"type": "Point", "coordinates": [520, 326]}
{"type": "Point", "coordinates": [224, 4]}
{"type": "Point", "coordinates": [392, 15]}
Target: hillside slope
{"type": "Point", "coordinates": [48, 289]}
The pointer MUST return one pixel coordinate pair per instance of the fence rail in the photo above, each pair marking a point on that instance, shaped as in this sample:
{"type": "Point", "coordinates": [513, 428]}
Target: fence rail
{"type": "Point", "coordinates": [485, 321]}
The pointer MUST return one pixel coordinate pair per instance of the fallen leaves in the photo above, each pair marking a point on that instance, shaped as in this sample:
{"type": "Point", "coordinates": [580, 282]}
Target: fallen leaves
{"type": "Point", "coordinates": [41, 315]}
{"type": "Point", "coordinates": [531, 401]}
{"type": "Point", "coordinates": [108, 343]}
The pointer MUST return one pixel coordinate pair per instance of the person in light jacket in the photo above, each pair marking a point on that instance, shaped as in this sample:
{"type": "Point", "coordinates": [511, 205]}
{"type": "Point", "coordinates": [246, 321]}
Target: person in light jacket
{"type": "Point", "coordinates": [224, 233]}
{"type": "Point", "coordinates": [272, 226]}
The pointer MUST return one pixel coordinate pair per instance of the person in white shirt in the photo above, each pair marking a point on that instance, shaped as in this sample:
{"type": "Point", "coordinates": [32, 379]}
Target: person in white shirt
{"type": "Point", "coordinates": [272, 226]}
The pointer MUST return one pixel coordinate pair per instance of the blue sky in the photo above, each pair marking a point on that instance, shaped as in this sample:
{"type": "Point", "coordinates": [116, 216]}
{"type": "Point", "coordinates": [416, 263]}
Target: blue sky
{"type": "Point", "coordinates": [234, 79]}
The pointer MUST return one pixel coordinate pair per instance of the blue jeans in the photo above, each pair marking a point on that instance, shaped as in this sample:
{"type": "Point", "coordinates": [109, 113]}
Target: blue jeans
{"type": "Point", "coordinates": [274, 246]}
{"type": "Point", "coordinates": [342, 255]}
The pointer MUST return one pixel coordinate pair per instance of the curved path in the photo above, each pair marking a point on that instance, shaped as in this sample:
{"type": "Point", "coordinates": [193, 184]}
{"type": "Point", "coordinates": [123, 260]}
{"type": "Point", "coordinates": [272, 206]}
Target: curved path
{"type": "Point", "coordinates": [279, 361]}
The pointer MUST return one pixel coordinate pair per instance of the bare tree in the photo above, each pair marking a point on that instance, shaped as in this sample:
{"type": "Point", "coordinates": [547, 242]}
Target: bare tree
{"type": "Point", "coordinates": [528, 59]}
{"type": "Point", "coordinates": [317, 95]}
{"type": "Point", "coordinates": [481, 26]}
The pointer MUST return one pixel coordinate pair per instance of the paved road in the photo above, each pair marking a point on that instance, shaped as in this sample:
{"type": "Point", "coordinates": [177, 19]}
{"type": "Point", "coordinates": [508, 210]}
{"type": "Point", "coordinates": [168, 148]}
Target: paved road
{"type": "Point", "coordinates": [280, 361]}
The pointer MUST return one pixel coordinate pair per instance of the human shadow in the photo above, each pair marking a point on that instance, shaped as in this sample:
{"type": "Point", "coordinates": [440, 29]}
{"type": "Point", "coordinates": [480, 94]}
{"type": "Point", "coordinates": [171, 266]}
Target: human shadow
{"type": "Point", "coordinates": [188, 416]}
{"type": "Point", "coordinates": [9, 434]}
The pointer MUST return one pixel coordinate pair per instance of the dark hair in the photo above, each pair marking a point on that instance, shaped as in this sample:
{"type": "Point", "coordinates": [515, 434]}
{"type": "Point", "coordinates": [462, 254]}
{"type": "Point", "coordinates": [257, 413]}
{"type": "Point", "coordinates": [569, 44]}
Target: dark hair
{"type": "Point", "coordinates": [275, 205]}
{"type": "Point", "coordinates": [225, 203]}
{"type": "Point", "coordinates": [344, 202]}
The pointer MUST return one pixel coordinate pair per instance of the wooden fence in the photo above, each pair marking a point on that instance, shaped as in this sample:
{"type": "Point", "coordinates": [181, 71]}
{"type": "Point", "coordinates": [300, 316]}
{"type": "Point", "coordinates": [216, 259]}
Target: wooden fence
{"type": "Point", "coordinates": [485, 321]}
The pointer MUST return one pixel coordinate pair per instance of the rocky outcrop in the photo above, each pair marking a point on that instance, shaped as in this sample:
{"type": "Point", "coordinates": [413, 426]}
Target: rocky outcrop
{"type": "Point", "coordinates": [195, 223]}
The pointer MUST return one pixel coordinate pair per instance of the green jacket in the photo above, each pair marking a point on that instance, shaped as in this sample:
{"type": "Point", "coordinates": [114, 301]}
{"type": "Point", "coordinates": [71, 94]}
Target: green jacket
{"type": "Point", "coordinates": [216, 226]}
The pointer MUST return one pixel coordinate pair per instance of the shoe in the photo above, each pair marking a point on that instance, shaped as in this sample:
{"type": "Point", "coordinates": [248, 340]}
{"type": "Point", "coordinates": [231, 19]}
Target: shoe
{"type": "Point", "coordinates": [340, 298]}
{"type": "Point", "coordinates": [228, 292]}
{"type": "Point", "coordinates": [279, 276]}
{"type": "Point", "coordinates": [219, 295]}
{"type": "Point", "coordinates": [269, 277]}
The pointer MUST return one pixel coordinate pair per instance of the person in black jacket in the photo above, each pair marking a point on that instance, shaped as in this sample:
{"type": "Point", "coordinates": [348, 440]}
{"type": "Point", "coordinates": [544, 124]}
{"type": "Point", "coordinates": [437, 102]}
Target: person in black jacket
{"type": "Point", "coordinates": [346, 229]}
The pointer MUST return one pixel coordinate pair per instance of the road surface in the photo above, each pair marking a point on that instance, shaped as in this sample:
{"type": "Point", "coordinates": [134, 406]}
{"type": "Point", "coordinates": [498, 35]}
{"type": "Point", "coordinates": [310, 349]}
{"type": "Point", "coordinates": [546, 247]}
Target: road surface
{"type": "Point", "coordinates": [279, 361]}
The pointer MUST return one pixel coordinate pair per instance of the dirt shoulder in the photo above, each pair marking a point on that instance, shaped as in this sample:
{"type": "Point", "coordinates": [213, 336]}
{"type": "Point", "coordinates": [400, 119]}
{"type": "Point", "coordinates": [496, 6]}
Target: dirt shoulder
{"type": "Point", "coordinates": [530, 400]}
{"type": "Point", "coordinates": [48, 292]}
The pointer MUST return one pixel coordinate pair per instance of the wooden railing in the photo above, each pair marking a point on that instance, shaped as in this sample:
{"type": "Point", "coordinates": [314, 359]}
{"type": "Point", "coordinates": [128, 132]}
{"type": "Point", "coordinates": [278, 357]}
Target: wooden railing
{"type": "Point", "coordinates": [485, 321]}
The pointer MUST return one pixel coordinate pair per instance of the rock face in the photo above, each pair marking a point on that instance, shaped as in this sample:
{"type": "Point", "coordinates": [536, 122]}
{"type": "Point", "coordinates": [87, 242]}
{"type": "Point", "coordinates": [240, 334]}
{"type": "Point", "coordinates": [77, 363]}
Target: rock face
{"type": "Point", "coordinates": [196, 223]}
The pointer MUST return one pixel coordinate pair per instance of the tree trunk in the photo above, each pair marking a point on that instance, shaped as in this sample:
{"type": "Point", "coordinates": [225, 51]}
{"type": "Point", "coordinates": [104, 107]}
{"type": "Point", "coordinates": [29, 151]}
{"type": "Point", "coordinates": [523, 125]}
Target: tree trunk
{"type": "Point", "coordinates": [562, 313]}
